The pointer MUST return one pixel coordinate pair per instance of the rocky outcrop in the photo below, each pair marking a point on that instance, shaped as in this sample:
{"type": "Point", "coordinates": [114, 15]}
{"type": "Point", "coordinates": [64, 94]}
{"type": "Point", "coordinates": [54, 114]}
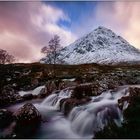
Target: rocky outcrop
{"type": "Point", "coordinates": [27, 120]}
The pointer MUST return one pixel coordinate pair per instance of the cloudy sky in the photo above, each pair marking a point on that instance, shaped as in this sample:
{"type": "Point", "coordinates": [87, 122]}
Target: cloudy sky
{"type": "Point", "coordinates": [25, 27]}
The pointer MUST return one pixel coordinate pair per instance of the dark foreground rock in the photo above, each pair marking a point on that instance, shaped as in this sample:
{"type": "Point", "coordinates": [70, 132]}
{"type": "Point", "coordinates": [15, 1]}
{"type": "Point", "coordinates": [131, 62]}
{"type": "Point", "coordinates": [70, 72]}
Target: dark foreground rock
{"type": "Point", "coordinates": [22, 124]}
{"type": "Point", "coordinates": [134, 93]}
{"type": "Point", "coordinates": [27, 120]}
{"type": "Point", "coordinates": [6, 118]}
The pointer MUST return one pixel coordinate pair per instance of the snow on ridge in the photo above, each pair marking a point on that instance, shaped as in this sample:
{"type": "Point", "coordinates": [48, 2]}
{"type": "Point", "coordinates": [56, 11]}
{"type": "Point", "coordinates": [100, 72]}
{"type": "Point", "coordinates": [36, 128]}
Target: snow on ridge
{"type": "Point", "coordinates": [101, 46]}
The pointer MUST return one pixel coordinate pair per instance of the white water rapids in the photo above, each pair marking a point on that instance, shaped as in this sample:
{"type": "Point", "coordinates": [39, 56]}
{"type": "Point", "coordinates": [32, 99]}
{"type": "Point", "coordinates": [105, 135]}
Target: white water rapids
{"type": "Point", "coordinates": [83, 121]}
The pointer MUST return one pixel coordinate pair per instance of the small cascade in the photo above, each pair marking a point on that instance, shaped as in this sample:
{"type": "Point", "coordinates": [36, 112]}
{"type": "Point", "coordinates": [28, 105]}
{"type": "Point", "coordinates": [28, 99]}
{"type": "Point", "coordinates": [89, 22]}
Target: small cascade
{"type": "Point", "coordinates": [50, 100]}
{"type": "Point", "coordinates": [55, 98]}
{"type": "Point", "coordinates": [36, 91]}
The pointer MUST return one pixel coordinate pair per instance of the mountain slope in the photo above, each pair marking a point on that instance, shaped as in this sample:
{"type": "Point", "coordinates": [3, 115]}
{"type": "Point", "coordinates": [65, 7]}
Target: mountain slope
{"type": "Point", "coordinates": [100, 46]}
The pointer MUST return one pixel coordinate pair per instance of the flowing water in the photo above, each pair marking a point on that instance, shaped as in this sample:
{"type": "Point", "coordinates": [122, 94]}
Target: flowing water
{"type": "Point", "coordinates": [83, 121]}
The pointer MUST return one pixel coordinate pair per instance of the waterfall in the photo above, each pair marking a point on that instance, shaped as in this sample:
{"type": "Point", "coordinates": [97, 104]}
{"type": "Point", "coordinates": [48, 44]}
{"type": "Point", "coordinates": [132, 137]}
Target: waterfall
{"type": "Point", "coordinates": [84, 120]}
{"type": "Point", "coordinates": [36, 91]}
{"type": "Point", "coordinates": [87, 119]}
{"type": "Point", "coordinates": [90, 118]}
{"type": "Point", "coordinates": [50, 100]}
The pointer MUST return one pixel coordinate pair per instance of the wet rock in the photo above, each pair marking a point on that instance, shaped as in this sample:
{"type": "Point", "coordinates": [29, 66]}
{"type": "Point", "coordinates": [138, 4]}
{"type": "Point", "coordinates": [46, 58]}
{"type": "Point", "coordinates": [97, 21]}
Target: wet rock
{"type": "Point", "coordinates": [66, 105]}
{"type": "Point", "coordinates": [134, 91]}
{"type": "Point", "coordinates": [81, 94]}
{"type": "Point", "coordinates": [27, 96]}
{"type": "Point", "coordinates": [27, 120]}
{"type": "Point", "coordinates": [82, 91]}
{"type": "Point", "coordinates": [6, 118]}
{"type": "Point", "coordinates": [131, 115]}
{"type": "Point", "coordinates": [122, 101]}
{"type": "Point", "coordinates": [134, 94]}
{"type": "Point", "coordinates": [132, 112]}
{"type": "Point", "coordinates": [130, 128]}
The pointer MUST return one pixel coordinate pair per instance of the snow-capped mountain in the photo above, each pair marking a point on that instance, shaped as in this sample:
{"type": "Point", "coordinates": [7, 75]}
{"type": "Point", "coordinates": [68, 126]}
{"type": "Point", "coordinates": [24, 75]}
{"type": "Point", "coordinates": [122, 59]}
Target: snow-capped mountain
{"type": "Point", "coordinates": [100, 46]}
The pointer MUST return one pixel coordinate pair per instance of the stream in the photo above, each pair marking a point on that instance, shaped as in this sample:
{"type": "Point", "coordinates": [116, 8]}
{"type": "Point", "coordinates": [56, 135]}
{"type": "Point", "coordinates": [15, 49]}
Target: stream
{"type": "Point", "coordinates": [83, 121]}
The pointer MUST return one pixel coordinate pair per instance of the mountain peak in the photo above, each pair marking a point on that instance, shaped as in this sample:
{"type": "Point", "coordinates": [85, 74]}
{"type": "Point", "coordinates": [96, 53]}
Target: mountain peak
{"type": "Point", "coordinates": [102, 28]}
{"type": "Point", "coordinates": [102, 46]}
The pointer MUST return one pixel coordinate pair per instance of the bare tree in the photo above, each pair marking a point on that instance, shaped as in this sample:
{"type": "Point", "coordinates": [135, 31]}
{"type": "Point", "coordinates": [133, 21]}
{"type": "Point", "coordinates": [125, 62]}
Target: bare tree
{"type": "Point", "coordinates": [5, 57]}
{"type": "Point", "coordinates": [45, 50]}
{"type": "Point", "coordinates": [54, 45]}
{"type": "Point", "coordinates": [52, 50]}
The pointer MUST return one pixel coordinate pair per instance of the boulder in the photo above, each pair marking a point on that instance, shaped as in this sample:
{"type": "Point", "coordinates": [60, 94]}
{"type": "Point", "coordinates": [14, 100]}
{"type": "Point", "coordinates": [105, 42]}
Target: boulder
{"type": "Point", "coordinates": [27, 120]}
{"type": "Point", "coordinates": [82, 91]}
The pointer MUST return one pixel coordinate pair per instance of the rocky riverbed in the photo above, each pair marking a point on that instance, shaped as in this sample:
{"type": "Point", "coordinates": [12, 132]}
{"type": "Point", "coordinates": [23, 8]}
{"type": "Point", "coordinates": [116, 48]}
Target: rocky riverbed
{"type": "Point", "coordinates": [71, 105]}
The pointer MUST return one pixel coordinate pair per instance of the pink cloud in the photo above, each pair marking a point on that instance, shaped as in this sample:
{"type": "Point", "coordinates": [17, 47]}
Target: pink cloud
{"type": "Point", "coordinates": [25, 27]}
{"type": "Point", "coordinates": [123, 18]}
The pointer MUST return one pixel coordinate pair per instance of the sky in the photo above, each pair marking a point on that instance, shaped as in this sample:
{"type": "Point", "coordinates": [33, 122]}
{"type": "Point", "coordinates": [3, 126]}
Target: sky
{"type": "Point", "coordinates": [26, 27]}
